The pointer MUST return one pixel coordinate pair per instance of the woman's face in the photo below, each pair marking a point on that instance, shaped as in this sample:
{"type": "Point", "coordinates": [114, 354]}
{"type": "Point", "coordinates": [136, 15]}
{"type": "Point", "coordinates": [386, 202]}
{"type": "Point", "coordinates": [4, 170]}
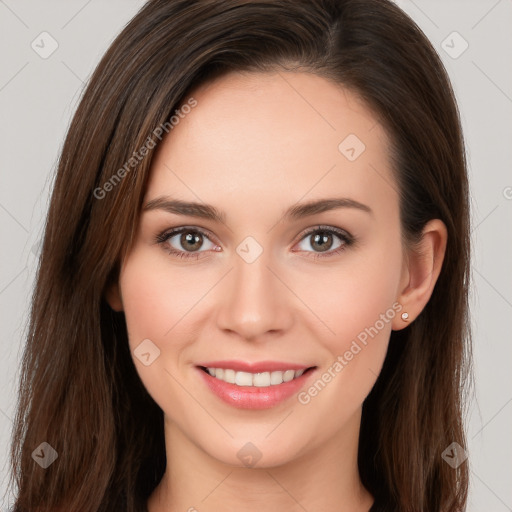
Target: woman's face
{"type": "Point", "coordinates": [271, 286]}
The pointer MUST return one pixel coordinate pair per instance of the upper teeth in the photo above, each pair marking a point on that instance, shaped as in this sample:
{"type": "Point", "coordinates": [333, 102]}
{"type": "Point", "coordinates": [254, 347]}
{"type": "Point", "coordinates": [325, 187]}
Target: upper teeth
{"type": "Point", "coordinates": [254, 379]}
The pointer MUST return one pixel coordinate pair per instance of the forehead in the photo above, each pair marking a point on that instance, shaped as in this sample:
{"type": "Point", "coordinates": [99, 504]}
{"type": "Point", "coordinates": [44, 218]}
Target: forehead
{"type": "Point", "coordinates": [280, 136]}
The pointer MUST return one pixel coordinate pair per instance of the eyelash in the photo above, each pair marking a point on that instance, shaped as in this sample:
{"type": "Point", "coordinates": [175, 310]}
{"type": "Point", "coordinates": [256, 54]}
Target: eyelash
{"type": "Point", "coordinates": [346, 238]}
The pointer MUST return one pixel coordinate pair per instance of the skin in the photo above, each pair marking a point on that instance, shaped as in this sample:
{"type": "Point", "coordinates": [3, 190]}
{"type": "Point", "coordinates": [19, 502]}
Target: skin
{"type": "Point", "coordinates": [255, 145]}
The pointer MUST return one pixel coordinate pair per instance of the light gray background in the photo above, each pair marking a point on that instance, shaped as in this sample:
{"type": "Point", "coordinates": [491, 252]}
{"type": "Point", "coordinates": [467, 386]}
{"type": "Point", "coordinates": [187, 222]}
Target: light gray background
{"type": "Point", "coordinates": [38, 97]}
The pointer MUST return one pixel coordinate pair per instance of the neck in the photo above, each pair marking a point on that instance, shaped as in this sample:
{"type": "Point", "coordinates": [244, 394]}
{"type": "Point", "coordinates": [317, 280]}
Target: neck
{"type": "Point", "coordinates": [325, 477]}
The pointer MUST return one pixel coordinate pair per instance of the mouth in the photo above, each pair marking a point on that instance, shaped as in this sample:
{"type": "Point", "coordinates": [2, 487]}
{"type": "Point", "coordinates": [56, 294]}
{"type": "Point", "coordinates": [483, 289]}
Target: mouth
{"type": "Point", "coordinates": [259, 379]}
{"type": "Point", "coordinates": [254, 386]}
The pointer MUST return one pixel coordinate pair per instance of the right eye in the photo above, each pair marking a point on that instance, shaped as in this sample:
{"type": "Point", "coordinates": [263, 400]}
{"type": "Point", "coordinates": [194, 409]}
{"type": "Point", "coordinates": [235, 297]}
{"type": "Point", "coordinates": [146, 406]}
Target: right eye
{"type": "Point", "coordinates": [185, 242]}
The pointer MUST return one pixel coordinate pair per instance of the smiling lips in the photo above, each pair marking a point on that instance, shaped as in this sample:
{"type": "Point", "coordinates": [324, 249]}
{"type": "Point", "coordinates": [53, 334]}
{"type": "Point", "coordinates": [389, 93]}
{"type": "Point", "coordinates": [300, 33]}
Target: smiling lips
{"type": "Point", "coordinates": [259, 380]}
{"type": "Point", "coordinates": [254, 386]}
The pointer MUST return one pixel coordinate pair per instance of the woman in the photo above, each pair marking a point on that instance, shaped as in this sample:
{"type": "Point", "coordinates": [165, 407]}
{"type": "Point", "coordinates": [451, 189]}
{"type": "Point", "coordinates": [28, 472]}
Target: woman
{"type": "Point", "coordinates": [253, 282]}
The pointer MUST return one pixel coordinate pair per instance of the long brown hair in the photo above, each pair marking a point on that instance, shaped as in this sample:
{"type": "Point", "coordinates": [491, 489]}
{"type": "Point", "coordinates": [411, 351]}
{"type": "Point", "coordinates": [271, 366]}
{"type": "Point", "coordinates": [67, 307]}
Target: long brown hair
{"type": "Point", "coordinates": [79, 390]}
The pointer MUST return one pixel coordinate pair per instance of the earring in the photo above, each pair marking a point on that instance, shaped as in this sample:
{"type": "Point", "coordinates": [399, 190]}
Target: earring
{"type": "Point", "coordinates": [405, 317]}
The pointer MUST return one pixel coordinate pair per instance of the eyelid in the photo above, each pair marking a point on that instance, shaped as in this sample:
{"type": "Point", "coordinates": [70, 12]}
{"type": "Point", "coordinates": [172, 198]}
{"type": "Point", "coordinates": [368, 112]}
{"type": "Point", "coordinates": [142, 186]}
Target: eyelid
{"type": "Point", "coordinates": [342, 233]}
{"type": "Point", "coordinates": [171, 232]}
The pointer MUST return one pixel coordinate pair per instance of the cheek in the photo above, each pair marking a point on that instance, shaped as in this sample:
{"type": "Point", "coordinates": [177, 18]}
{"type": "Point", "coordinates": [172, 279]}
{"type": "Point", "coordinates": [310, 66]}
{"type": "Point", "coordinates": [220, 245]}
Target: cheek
{"type": "Point", "coordinates": [156, 297]}
{"type": "Point", "coordinates": [363, 305]}
{"type": "Point", "coordinates": [355, 296]}
{"type": "Point", "coordinates": [155, 304]}
{"type": "Point", "coordinates": [358, 304]}
{"type": "Point", "coordinates": [156, 300]}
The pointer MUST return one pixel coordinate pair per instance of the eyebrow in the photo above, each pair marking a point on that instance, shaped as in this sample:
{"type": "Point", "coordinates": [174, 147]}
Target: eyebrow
{"type": "Point", "coordinates": [209, 212]}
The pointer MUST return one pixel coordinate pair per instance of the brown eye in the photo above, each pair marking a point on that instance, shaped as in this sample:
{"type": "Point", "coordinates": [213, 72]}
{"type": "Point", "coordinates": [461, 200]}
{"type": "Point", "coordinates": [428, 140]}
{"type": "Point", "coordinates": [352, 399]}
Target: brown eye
{"type": "Point", "coordinates": [185, 242]}
{"type": "Point", "coordinates": [325, 241]}
{"type": "Point", "coordinates": [322, 241]}
{"type": "Point", "coordinates": [190, 241]}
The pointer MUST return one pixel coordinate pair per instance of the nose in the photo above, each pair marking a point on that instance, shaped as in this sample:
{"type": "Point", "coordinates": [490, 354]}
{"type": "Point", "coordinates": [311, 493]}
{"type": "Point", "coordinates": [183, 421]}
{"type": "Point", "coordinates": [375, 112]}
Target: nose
{"type": "Point", "coordinates": [255, 301]}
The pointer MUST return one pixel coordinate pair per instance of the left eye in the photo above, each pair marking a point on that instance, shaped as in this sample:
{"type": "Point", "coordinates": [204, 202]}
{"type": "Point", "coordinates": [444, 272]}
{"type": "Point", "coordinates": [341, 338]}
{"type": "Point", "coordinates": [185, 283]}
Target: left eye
{"type": "Point", "coordinates": [323, 240]}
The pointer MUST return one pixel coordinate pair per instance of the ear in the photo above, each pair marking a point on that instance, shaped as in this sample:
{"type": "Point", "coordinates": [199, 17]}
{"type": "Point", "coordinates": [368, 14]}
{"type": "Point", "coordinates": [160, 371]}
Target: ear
{"type": "Point", "coordinates": [113, 296]}
{"type": "Point", "coordinates": [422, 267]}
